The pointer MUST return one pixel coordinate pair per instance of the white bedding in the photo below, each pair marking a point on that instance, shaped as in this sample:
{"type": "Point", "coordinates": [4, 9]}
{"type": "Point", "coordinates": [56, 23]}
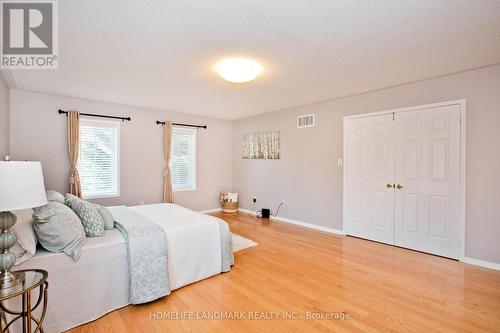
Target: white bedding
{"type": "Point", "coordinates": [82, 291]}
{"type": "Point", "coordinates": [194, 251]}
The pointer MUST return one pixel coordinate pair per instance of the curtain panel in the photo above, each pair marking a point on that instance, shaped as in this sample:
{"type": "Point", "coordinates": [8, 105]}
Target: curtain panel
{"type": "Point", "coordinates": [73, 150]}
{"type": "Point", "coordinates": [168, 195]}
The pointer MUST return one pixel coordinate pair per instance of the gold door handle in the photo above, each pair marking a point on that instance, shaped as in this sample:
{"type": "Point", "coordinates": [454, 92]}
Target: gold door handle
{"type": "Point", "coordinates": [389, 185]}
{"type": "Point", "coordinates": [399, 186]}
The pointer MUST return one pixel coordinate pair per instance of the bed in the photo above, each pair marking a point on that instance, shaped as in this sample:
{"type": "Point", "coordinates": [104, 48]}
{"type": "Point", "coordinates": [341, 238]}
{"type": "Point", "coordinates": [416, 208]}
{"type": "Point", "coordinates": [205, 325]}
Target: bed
{"type": "Point", "coordinates": [99, 282]}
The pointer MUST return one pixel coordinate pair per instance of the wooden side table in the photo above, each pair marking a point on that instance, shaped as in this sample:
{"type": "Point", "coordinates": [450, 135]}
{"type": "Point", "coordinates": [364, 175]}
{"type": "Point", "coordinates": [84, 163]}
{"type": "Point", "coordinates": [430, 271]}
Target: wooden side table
{"type": "Point", "coordinates": [31, 280]}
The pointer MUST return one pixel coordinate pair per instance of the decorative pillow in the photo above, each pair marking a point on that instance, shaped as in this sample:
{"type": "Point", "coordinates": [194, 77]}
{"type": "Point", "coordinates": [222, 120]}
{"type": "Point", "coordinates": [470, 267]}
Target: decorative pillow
{"type": "Point", "coordinates": [59, 229]}
{"type": "Point", "coordinates": [54, 196]}
{"type": "Point", "coordinates": [92, 221]}
{"type": "Point", "coordinates": [107, 217]}
{"type": "Point", "coordinates": [25, 246]}
{"type": "Point", "coordinates": [73, 202]}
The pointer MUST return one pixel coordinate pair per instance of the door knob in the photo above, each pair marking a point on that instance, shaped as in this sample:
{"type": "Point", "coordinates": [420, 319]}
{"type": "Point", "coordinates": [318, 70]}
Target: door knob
{"type": "Point", "coordinates": [389, 185]}
{"type": "Point", "coordinates": [399, 186]}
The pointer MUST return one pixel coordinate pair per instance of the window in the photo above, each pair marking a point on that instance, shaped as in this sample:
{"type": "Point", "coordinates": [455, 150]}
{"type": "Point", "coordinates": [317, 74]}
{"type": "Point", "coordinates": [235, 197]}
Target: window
{"type": "Point", "coordinates": [98, 160]}
{"type": "Point", "coordinates": [183, 159]}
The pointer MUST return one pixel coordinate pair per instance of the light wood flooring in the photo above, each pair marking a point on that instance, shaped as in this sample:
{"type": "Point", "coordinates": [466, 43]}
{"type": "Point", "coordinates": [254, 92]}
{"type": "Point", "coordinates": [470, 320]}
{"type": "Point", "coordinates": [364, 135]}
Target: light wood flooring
{"type": "Point", "coordinates": [295, 270]}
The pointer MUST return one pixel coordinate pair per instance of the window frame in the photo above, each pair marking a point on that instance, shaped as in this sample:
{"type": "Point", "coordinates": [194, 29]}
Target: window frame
{"type": "Point", "coordinates": [115, 124]}
{"type": "Point", "coordinates": [193, 131]}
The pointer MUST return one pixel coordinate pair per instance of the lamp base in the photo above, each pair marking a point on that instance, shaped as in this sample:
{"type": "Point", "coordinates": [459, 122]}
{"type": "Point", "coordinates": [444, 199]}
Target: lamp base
{"type": "Point", "coordinates": [11, 279]}
{"type": "Point", "coordinates": [7, 259]}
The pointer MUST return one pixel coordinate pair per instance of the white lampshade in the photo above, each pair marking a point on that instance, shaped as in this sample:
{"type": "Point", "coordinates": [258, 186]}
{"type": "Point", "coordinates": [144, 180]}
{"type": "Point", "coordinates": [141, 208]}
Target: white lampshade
{"type": "Point", "coordinates": [21, 185]}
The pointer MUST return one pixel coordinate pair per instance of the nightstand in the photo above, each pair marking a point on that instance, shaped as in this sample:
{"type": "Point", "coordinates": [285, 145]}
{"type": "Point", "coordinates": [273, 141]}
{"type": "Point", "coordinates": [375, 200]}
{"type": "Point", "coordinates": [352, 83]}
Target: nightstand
{"type": "Point", "coordinates": [31, 280]}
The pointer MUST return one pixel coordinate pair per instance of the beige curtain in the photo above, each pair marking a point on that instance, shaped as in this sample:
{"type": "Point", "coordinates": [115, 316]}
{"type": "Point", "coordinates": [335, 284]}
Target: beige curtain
{"type": "Point", "coordinates": [73, 149]}
{"type": "Point", "coordinates": [168, 196]}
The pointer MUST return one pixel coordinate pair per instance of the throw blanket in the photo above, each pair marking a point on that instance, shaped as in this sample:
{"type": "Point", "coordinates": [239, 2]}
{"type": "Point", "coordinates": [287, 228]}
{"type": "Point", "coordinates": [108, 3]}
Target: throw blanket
{"type": "Point", "coordinates": [147, 253]}
{"type": "Point", "coordinates": [226, 246]}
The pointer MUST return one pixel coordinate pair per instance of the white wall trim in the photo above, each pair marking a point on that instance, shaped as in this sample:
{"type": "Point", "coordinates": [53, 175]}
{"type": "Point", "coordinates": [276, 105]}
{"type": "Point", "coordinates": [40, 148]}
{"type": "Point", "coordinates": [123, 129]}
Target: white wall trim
{"type": "Point", "coordinates": [463, 173]}
{"type": "Point", "coordinates": [247, 211]}
{"type": "Point", "coordinates": [463, 159]}
{"type": "Point", "coordinates": [299, 223]}
{"type": "Point", "coordinates": [482, 263]}
{"type": "Point", "coordinates": [344, 175]}
{"type": "Point", "coordinates": [460, 102]}
{"type": "Point", "coordinates": [213, 210]}
{"type": "Point", "coordinates": [308, 225]}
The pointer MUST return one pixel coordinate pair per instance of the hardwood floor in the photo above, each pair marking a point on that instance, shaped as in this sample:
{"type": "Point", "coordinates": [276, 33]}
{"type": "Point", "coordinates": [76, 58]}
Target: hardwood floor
{"type": "Point", "coordinates": [295, 270]}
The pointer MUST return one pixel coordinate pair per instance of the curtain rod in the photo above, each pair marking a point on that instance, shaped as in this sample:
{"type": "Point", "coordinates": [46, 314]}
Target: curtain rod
{"type": "Point", "coordinates": [179, 124]}
{"type": "Point", "coordinates": [96, 115]}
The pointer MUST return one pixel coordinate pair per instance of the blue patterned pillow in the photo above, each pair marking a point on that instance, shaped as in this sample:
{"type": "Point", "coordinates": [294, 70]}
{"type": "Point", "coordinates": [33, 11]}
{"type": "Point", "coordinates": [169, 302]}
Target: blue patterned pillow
{"type": "Point", "coordinates": [93, 224]}
{"type": "Point", "coordinates": [73, 202]}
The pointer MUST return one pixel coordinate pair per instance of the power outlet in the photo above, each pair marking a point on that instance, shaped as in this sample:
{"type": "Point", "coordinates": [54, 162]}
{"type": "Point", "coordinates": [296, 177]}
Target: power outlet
{"type": "Point", "coordinates": [142, 202]}
{"type": "Point", "coordinates": [254, 200]}
{"type": "Point", "coordinates": [283, 202]}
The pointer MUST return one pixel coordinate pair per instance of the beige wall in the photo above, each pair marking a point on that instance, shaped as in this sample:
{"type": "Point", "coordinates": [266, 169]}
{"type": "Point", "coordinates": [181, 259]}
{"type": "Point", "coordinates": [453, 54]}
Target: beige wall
{"type": "Point", "coordinates": [38, 132]}
{"type": "Point", "coordinates": [307, 175]}
{"type": "Point", "coordinates": [4, 118]}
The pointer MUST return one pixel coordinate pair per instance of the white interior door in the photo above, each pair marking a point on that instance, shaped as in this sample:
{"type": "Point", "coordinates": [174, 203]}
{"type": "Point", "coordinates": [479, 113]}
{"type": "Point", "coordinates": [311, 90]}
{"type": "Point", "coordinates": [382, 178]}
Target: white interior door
{"type": "Point", "coordinates": [369, 166]}
{"type": "Point", "coordinates": [427, 206]}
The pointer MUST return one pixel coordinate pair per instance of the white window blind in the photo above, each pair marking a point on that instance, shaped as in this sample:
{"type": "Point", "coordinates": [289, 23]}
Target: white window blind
{"type": "Point", "coordinates": [183, 159]}
{"type": "Point", "coordinates": [98, 160]}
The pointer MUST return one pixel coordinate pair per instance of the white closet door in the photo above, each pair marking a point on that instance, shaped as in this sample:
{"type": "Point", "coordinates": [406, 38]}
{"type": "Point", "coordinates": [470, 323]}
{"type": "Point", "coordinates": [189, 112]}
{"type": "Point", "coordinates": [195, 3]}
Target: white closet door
{"type": "Point", "coordinates": [427, 206]}
{"type": "Point", "coordinates": [369, 167]}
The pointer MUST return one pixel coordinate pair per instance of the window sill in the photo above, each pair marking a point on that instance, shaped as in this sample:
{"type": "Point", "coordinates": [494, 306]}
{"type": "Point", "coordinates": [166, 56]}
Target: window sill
{"type": "Point", "coordinates": [100, 196]}
{"type": "Point", "coordinates": [184, 189]}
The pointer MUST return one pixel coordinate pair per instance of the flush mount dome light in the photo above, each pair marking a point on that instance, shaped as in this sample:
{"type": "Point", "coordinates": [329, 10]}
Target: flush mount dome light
{"type": "Point", "coordinates": [238, 70]}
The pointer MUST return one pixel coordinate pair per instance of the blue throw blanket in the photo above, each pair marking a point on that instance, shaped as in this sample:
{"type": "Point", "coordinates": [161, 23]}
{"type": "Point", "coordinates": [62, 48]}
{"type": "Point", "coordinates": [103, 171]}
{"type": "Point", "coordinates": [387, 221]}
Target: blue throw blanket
{"type": "Point", "coordinates": [147, 254]}
{"type": "Point", "coordinates": [226, 247]}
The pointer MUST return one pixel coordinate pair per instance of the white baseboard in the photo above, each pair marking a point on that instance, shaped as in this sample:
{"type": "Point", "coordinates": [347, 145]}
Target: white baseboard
{"type": "Point", "coordinates": [300, 223]}
{"type": "Point", "coordinates": [308, 225]}
{"type": "Point", "coordinates": [214, 210]}
{"type": "Point", "coordinates": [247, 211]}
{"type": "Point", "coordinates": [482, 263]}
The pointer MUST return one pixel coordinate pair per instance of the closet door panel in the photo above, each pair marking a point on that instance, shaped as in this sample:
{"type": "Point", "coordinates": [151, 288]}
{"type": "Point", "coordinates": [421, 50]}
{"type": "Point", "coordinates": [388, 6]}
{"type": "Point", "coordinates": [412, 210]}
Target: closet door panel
{"type": "Point", "coordinates": [369, 168]}
{"type": "Point", "coordinates": [428, 169]}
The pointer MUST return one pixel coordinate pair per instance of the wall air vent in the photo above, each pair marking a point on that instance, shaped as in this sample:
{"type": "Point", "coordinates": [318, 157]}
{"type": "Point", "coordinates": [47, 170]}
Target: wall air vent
{"type": "Point", "coordinates": [305, 121]}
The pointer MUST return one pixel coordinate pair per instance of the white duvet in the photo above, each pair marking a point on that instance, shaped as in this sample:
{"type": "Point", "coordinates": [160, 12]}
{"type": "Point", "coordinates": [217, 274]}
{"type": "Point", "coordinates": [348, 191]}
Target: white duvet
{"type": "Point", "coordinates": [193, 242]}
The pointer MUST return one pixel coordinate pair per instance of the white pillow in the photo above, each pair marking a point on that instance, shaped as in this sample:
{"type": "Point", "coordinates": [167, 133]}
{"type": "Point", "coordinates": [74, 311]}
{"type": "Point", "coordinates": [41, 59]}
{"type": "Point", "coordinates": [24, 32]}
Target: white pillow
{"type": "Point", "coordinates": [25, 246]}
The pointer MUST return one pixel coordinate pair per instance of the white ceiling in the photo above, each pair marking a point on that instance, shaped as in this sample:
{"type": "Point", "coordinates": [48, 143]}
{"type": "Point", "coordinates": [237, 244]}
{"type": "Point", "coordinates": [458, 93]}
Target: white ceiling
{"type": "Point", "coordinates": [159, 54]}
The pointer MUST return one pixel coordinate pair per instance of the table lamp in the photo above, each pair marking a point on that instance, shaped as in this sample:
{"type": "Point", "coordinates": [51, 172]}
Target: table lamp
{"type": "Point", "coordinates": [21, 187]}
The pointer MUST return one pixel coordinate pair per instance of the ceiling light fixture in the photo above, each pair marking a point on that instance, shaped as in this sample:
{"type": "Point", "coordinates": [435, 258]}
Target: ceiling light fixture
{"type": "Point", "coordinates": [238, 70]}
